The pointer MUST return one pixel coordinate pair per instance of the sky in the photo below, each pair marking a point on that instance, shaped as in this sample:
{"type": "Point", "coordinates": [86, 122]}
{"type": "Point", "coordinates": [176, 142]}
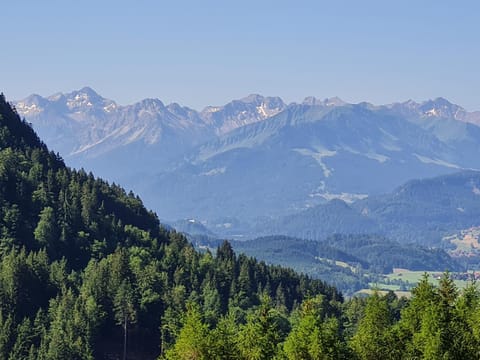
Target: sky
{"type": "Point", "coordinates": [200, 53]}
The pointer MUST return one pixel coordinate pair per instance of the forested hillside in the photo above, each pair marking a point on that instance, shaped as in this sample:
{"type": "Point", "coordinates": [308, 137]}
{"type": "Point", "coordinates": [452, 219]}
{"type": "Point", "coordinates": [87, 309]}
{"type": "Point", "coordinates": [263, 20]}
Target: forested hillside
{"type": "Point", "coordinates": [349, 262]}
{"type": "Point", "coordinates": [420, 211]}
{"type": "Point", "coordinates": [436, 323]}
{"type": "Point", "coordinates": [83, 264]}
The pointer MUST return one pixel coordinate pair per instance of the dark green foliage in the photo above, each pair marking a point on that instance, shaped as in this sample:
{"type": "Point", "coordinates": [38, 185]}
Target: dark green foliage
{"type": "Point", "coordinates": [308, 257]}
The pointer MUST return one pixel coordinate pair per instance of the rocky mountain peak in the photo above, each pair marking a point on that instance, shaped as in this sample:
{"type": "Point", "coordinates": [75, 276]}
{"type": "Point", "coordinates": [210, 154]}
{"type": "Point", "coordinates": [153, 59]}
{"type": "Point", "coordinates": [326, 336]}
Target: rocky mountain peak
{"type": "Point", "coordinates": [253, 99]}
{"type": "Point", "coordinates": [313, 101]}
{"type": "Point", "coordinates": [442, 108]}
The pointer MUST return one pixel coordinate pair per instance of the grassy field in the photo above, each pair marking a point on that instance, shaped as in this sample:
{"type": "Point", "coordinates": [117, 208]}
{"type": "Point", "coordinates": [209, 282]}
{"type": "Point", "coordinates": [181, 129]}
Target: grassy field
{"type": "Point", "coordinates": [407, 277]}
{"type": "Point", "coordinates": [400, 294]}
{"type": "Point", "coordinates": [413, 277]}
{"type": "Point", "coordinates": [382, 286]}
{"type": "Point", "coordinates": [337, 263]}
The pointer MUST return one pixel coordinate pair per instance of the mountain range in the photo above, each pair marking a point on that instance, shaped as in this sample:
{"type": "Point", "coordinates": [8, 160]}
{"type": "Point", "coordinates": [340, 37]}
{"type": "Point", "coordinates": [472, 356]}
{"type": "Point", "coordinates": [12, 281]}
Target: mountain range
{"type": "Point", "coordinates": [257, 157]}
{"type": "Point", "coordinates": [85, 127]}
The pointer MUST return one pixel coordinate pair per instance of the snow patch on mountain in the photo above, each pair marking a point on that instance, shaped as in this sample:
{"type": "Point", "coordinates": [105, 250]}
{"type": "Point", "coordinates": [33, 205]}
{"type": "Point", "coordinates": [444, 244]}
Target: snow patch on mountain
{"type": "Point", "coordinates": [237, 113]}
{"type": "Point", "coordinates": [476, 190]}
{"type": "Point", "coordinates": [110, 107]}
{"type": "Point", "coordinates": [28, 109]}
{"type": "Point", "coordinates": [427, 160]}
{"type": "Point", "coordinates": [344, 196]}
{"type": "Point", "coordinates": [388, 134]}
{"type": "Point", "coordinates": [213, 172]}
{"type": "Point", "coordinates": [378, 157]}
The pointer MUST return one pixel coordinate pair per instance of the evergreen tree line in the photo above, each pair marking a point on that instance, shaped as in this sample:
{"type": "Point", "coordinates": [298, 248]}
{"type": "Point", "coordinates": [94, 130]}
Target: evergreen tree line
{"type": "Point", "coordinates": [438, 322]}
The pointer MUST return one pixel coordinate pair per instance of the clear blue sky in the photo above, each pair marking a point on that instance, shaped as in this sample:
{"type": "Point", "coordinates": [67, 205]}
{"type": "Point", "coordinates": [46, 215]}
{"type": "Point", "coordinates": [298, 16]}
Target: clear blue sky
{"type": "Point", "coordinates": [202, 53]}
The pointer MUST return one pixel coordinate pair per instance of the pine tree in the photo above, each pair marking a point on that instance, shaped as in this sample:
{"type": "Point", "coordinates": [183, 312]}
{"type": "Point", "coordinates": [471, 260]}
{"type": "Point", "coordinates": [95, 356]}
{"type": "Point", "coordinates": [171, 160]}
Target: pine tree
{"type": "Point", "coordinates": [125, 310]}
{"type": "Point", "coordinates": [23, 341]}
{"type": "Point", "coordinates": [211, 303]}
{"type": "Point", "coordinates": [314, 336]}
{"type": "Point", "coordinates": [6, 335]}
{"type": "Point", "coordinates": [369, 342]}
{"type": "Point", "coordinates": [67, 336]}
{"type": "Point", "coordinates": [224, 339]}
{"type": "Point", "coordinates": [46, 232]}
{"type": "Point", "coordinates": [259, 337]}
{"type": "Point", "coordinates": [192, 342]}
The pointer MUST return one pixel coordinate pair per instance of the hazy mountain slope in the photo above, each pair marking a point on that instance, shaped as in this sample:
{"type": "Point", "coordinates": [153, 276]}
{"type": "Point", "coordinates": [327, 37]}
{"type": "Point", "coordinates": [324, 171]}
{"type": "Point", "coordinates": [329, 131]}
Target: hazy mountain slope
{"type": "Point", "coordinates": [426, 210]}
{"type": "Point", "coordinates": [420, 211]}
{"type": "Point", "coordinates": [303, 157]}
{"type": "Point", "coordinates": [319, 222]}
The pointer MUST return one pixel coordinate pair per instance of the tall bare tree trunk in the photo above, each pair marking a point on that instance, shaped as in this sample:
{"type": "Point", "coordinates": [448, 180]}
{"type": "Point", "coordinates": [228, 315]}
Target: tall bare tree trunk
{"type": "Point", "coordinates": [125, 338]}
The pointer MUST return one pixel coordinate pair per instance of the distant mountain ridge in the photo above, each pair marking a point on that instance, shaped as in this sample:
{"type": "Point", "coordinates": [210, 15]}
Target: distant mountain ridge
{"type": "Point", "coordinates": [102, 121]}
{"type": "Point", "coordinates": [85, 127]}
{"type": "Point", "coordinates": [420, 211]}
{"type": "Point", "coordinates": [257, 156]}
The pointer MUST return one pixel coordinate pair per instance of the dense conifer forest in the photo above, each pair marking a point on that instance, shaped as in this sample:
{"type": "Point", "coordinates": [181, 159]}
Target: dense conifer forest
{"type": "Point", "coordinates": [86, 272]}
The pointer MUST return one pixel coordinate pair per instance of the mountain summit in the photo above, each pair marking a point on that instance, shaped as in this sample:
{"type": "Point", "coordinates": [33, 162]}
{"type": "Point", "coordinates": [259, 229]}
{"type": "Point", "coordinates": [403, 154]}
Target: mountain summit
{"type": "Point", "coordinates": [238, 113]}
